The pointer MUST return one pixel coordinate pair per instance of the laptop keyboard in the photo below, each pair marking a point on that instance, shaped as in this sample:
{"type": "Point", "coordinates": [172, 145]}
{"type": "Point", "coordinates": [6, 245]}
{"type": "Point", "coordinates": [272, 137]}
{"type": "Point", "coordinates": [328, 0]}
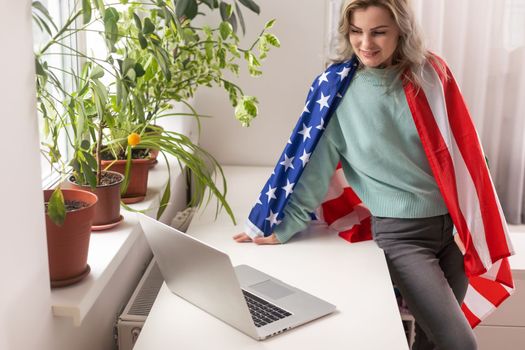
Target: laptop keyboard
{"type": "Point", "coordinates": [262, 311]}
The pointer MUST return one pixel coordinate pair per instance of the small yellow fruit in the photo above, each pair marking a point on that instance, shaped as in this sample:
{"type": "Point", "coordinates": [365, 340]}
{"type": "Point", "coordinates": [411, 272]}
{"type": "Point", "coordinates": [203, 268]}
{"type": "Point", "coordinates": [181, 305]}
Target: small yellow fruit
{"type": "Point", "coordinates": [133, 139]}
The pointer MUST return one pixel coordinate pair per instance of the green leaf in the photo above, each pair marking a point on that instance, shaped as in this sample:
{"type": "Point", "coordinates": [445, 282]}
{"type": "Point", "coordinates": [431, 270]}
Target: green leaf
{"type": "Point", "coordinates": [208, 47]}
{"type": "Point", "coordinates": [40, 7]}
{"type": "Point", "coordinates": [39, 69]}
{"type": "Point", "coordinates": [246, 111]}
{"type": "Point", "coordinates": [127, 65]}
{"type": "Point", "coordinates": [163, 60]}
{"type": "Point", "coordinates": [142, 41]}
{"type": "Point", "coordinates": [139, 70]}
{"type": "Point", "coordinates": [97, 72]}
{"type": "Point", "coordinates": [89, 174]}
{"type": "Point", "coordinates": [251, 5]}
{"type": "Point", "coordinates": [272, 39]}
{"type": "Point", "coordinates": [91, 161]}
{"type": "Point", "coordinates": [42, 24]}
{"type": "Point", "coordinates": [111, 18]}
{"type": "Point", "coordinates": [165, 199]}
{"type": "Point", "coordinates": [100, 6]}
{"type": "Point", "coordinates": [192, 9]}
{"type": "Point", "coordinates": [138, 23]}
{"type": "Point", "coordinates": [86, 11]}
{"type": "Point", "coordinates": [241, 18]}
{"type": "Point", "coordinates": [226, 10]}
{"type": "Point", "coordinates": [225, 29]}
{"type": "Point", "coordinates": [269, 24]}
{"type": "Point", "coordinates": [149, 27]}
{"type": "Point", "coordinates": [186, 8]}
{"type": "Point", "coordinates": [85, 144]}
{"type": "Point", "coordinates": [125, 184]}
{"type": "Point", "coordinates": [56, 208]}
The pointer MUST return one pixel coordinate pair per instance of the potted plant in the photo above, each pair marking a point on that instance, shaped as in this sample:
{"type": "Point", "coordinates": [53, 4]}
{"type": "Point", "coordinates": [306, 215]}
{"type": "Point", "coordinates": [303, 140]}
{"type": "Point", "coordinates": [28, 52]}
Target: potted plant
{"type": "Point", "coordinates": [155, 57]}
{"type": "Point", "coordinates": [75, 116]}
{"type": "Point", "coordinates": [68, 229]}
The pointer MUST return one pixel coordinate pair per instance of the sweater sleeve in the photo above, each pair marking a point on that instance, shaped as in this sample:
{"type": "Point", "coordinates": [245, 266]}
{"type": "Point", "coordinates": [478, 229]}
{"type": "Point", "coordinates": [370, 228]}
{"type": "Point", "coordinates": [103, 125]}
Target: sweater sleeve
{"type": "Point", "coordinates": [312, 186]}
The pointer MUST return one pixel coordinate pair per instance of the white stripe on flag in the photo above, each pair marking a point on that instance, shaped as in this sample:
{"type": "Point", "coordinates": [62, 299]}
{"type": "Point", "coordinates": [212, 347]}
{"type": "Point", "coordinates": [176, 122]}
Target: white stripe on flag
{"type": "Point", "coordinates": [337, 186]}
{"type": "Point", "coordinates": [477, 303]}
{"type": "Point", "coordinates": [251, 230]}
{"type": "Point", "coordinates": [468, 200]}
{"type": "Point", "coordinates": [492, 273]}
{"type": "Point", "coordinates": [346, 222]}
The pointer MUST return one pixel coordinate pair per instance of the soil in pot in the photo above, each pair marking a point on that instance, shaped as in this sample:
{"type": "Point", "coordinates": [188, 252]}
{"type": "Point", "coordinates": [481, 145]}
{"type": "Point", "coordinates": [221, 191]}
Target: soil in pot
{"type": "Point", "coordinates": [68, 245]}
{"type": "Point", "coordinates": [107, 211]}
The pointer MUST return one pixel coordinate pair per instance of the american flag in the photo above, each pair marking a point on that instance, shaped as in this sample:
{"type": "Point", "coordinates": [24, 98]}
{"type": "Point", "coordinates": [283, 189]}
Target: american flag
{"type": "Point", "coordinates": [457, 162]}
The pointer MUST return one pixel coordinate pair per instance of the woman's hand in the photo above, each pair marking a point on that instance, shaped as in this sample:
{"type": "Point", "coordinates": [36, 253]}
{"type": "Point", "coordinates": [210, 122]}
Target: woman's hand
{"type": "Point", "coordinates": [243, 237]}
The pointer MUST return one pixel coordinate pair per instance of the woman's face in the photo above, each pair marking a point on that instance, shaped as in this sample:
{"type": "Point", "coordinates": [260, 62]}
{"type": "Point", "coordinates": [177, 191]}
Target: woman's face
{"type": "Point", "coordinates": [374, 36]}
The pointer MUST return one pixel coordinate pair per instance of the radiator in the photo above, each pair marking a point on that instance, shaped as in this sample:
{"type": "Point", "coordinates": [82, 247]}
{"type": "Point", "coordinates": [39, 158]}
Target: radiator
{"type": "Point", "coordinates": [132, 319]}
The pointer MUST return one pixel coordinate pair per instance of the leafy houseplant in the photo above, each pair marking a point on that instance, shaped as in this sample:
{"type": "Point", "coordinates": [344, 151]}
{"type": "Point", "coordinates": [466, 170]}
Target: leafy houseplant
{"type": "Point", "coordinates": [155, 57]}
{"type": "Point", "coordinates": [74, 115]}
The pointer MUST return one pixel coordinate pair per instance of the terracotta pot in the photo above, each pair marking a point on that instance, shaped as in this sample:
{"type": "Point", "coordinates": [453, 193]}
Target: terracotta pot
{"type": "Point", "coordinates": [107, 210]}
{"type": "Point", "coordinates": [138, 182]}
{"type": "Point", "coordinates": [153, 154]}
{"type": "Point", "coordinates": [68, 245]}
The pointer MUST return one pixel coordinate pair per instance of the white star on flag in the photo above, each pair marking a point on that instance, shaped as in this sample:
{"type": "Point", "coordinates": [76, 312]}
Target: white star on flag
{"type": "Point", "coordinates": [344, 73]}
{"type": "Point", "coordinates": [320, 126]}
{"type": "Point", "coordinates": [323, 77]}
{"type": "Point", "coordinates": [287, 162]}
{"type": "Point", "coordinates": [305, 109]}
{"type": "Point", "coordinates": [323, 101]}
{"type": "Point", "coordinates": [271, 193]}
{"type": "Point", "coordinates": [305, 158]}
{"type": "Point", "coordinates": [305, 132]}
{"type": "Point", "coordinates": [288, 188]}
{"type": "Point", "coordinates": [273, 218]}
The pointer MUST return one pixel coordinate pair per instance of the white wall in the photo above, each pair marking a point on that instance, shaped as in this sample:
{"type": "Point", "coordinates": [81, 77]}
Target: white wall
{"type": "Point", "coordinates": [281, 90]}
{"type": "Point", "coordinates": [23, 253]}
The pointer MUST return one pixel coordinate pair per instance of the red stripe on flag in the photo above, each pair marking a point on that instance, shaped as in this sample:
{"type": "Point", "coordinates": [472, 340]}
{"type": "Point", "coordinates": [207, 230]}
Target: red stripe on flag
{"type": "Point", "coordinates": [492, 291]}
{"type": "Point", "coordinates": [468, 144]}
{"type": "Point", "coordinates": [471, 318]}
{"type": "Point", "coordinates": [442, 166]}
{"type": "Point", "coordinates": [358, 233]}
{"type": "Point", "coordinates": [504, 274]}
{"type": "Point", "coordinates": [339, 207]}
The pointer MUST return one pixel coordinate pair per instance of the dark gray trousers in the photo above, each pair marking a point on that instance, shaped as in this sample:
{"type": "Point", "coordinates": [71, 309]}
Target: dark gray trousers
{"type": "Point", "coordinates": [427, 267]}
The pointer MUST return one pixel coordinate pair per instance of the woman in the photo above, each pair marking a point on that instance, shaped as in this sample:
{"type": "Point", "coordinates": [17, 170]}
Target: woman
{"type": "Point", "coordinates": [373, 135]}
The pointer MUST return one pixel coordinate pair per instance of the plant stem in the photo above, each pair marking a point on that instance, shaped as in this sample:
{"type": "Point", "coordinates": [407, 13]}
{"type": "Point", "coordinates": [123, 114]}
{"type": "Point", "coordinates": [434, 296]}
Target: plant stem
{"type": "Point", "coordinates": [97, 154]}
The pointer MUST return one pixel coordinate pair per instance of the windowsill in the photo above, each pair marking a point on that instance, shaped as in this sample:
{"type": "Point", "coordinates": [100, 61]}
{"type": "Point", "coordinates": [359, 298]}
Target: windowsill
{"type": "Point", "coordinates": [107, 250]}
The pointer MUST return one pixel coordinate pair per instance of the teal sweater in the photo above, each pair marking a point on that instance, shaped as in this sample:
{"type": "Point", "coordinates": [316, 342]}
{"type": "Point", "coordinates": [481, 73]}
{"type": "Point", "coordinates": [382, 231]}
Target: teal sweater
{"type": "Point", "coordinates": [373, 134]}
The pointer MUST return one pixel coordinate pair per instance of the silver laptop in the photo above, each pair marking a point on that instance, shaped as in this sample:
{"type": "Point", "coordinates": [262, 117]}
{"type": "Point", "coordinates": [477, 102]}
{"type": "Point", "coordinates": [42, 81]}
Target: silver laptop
{"type": "Point", "coordinates": [251, 301]}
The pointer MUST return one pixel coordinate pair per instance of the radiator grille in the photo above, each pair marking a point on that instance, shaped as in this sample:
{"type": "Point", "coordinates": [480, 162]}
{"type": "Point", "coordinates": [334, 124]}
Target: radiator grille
{"type": "Point", "coordinates": [148, 292]}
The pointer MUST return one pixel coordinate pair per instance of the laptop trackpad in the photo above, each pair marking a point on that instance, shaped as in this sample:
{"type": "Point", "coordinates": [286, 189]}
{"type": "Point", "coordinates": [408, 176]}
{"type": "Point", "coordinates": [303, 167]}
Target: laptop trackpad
{"type": "Point", "coordinates": [272, 289]}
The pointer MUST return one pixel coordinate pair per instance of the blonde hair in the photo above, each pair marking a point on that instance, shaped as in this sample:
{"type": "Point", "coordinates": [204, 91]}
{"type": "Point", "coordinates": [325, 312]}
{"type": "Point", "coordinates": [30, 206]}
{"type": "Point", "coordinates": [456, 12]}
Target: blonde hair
{"type": "Point", "coordinates": [410, 55]}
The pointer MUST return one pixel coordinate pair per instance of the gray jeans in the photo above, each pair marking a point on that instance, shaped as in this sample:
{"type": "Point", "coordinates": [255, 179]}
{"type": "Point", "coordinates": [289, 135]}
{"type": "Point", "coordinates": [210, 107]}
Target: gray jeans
{"type": "Point", "coordinates": [427, 267]}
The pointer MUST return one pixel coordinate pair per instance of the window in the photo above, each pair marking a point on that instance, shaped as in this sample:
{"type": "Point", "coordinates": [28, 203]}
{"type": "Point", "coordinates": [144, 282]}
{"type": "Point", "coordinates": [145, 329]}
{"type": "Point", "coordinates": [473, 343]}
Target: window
{"type": "Point", "coordinates": [62, 62]}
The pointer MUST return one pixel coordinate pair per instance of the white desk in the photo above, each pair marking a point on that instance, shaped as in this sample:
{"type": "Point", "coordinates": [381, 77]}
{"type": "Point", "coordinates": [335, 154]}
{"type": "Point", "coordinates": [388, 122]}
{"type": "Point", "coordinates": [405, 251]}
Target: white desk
{"type": "Point", "coordinates": [354, 277]}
